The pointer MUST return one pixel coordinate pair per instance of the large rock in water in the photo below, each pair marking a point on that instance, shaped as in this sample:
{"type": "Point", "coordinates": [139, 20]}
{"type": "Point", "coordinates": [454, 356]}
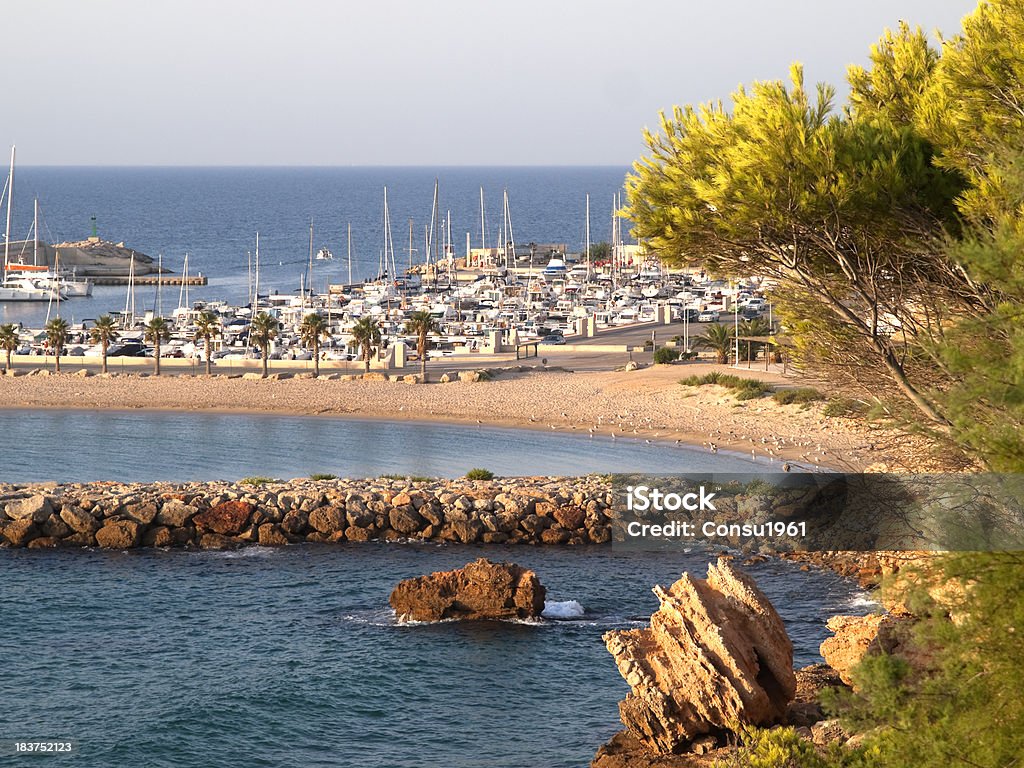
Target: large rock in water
{"type": "Point", "coordinates": [715, 656]}
{"type": "Point", "coordinates": [480, 590]}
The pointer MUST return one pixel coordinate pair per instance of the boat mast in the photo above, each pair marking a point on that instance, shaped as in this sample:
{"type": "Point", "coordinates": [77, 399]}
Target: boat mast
{"type": "Point", "coordinates": [588, 237]}
{"type": "Point", "coordinates": [7, 232]}
{"type": "Point", "coordinates": [350, 255]}
{"type": "Point", "coordinates": [483, 225]}
{"type": "Point", "coordinates": [159, 281]}
{"type": "Point", "coordinates": [256, 284]}
{"type": "Point", "coordinates": [35, 235]}
{"type": "Point", "coordinates": [310, 281]}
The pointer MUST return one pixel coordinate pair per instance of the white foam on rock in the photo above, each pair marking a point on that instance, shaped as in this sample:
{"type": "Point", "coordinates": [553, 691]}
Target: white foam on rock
{"type": "Point", "coordinates": [562, 609]}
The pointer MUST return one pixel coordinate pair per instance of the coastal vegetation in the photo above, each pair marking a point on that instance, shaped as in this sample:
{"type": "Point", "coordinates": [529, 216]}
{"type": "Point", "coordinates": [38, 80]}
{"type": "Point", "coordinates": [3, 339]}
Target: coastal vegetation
{"type": "Point", "coordinates": [891, 224]}
{"type": "Point", "coordinates": [479, 474]}
{"type": "Point", "coordinates": [104, 332]}
{"type": "Point", "coordinates": [262, 332]}
{"type": "Point", "coordinates": [313, 330]}
{"type": "Point", "coordinates": [744, 389]}
{"type": "Point", "coordinates": [156, 332]}
{"type": "Point", "coordinates": [208, 327]}
{"type": "Point", "coordinates": [665, 355]}
{"type": "Point", "coordinates": [422, 324]}
{"type": "Point", "coordinates": [56, 337]}
{"type": "Point", "coordinates": [9, 342]}
{"type": "Point", "coordinates": [366, 333]}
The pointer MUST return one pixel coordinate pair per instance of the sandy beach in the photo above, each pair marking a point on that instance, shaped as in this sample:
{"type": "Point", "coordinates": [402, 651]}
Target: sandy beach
{"type": "Point", "coordinates": [646, 404]}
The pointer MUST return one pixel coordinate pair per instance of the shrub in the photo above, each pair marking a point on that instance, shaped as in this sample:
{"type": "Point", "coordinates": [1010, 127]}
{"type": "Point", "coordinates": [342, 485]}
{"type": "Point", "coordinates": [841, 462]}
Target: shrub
{"type": "Point", "coordinates": [257, 480]}
{"type": "Point", "coordinates": [323, 476]}
{"type": "Point", "coordinates": [845, 406]}
{"type": "Point", "coordinates": [744, 389]}
{"type": "Point", "coordinates": [479, 474]}
{"type": "Point", "coordinates": [797, 395]}
{"type": "Point", "coordinates": [665, 355]}
{"type": "Point", "coordinates": [783, 747]}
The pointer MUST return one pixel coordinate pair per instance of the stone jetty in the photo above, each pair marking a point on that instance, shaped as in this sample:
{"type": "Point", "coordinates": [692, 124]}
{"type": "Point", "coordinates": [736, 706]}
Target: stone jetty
{"type": "Point", "coordinates": [225, 515]}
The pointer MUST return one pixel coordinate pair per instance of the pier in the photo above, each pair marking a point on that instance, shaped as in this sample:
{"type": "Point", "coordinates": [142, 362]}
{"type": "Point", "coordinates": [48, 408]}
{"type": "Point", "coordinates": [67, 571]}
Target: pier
{"type": "Point", "coordinates": [150, 280]}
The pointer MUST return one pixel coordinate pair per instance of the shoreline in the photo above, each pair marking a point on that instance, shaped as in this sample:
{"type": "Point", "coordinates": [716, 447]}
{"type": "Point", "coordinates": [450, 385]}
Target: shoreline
{"type": "Point", "coordinates": [647, 404]}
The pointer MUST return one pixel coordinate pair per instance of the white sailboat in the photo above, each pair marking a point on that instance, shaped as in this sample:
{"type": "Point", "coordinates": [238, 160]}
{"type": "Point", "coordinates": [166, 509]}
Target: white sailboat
{"type": "Point", "coordinates": [15, 286]}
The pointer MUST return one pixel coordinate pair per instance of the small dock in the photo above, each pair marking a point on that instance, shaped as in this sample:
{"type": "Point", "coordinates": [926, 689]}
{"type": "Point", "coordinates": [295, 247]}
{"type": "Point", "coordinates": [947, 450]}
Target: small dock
{"type": "Point", "coordinates": [150, 280]}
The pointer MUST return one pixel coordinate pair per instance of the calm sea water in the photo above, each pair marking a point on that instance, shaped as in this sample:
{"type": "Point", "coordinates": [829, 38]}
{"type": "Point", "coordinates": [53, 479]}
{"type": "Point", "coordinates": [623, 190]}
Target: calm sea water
{"type": "Point", "coordinates": [292, 658]}
{"type": "Point", "coordinates": [213, 214]}
{"type": "Point", "coordinates": [72, 446]}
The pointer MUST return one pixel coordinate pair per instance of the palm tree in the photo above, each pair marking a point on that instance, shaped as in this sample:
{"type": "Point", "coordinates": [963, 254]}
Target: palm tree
{"type": "Point", "coordinates": [9, 342]}
{"type": "Point", "coordinates": [366, 334]}
{"type": "Point", "coordinates": [262, 331]}
{"type": "Point", "coordinates": [56, 337]}
{"type": "Point", "coordinates": [157, 331]}
{"type": "Point", "coordinates": [207, 327]}
{"type": "Point", "coordinates": [720, 339]}
{"type": "Point", "coordinates": [421, 323]}
{"type": "Point", "coordinates": [312, 329]}
{"type": "Point", "coordinates": [754, 327]}
{"type": "Point", "coordinates": [104, 332]}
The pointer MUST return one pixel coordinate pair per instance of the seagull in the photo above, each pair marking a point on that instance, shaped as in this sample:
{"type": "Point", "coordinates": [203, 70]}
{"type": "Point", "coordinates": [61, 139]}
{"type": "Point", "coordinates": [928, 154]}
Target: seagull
{"type": "Point", "coordinates": [786, 467]}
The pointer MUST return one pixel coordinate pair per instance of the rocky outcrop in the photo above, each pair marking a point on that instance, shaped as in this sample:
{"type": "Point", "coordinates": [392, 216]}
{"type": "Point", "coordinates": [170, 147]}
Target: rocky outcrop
{"type": "Point", "coordinates": [479, 590]}
{"type": "Point", "coordinates": [537, 510]}
{"type": "Point", "coordinates": [715, 656]}
{"type": "Point", "coordinates": [858, 636]}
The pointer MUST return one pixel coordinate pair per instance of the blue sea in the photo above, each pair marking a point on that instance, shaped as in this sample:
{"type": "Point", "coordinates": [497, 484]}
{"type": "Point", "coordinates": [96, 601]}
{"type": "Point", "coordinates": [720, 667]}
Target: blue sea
{"type": "Point", "coordinates": [213, 215]}
{"type": "Point", "coordinates": [291, 657]}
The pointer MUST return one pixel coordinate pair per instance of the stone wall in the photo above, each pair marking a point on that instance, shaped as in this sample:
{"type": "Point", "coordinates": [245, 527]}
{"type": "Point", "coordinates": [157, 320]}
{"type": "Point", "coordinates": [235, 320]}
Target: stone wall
{"type": "Point", "coordinates": [221, 515]}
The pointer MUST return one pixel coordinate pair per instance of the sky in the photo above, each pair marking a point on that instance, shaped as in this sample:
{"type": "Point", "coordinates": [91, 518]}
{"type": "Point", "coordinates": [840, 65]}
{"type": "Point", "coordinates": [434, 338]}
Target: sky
{"type": "Point", "coordinates": [399, 82]}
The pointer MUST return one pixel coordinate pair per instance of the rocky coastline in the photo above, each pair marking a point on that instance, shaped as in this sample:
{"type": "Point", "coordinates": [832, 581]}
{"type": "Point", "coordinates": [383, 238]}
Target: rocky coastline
{"type": "Point", "coordinates": [225, 515]}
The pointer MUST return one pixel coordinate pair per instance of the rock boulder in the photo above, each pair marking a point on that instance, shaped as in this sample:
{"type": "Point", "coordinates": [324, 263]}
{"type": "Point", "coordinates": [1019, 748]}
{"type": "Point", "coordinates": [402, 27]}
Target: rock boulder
{"type": "Point", "coordinates": [480, 590]}
{"type": "Point", "coordinates": [715, 656]}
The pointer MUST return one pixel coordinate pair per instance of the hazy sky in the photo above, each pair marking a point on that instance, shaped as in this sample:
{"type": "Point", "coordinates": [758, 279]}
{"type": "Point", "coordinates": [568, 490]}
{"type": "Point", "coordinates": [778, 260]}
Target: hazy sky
{"type": "Point", "coordinates": [397, 82]}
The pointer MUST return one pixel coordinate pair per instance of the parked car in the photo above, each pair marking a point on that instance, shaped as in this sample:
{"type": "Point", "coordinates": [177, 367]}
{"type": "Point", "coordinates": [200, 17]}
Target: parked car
{"type": "Point", "coordinates": [708, 316]}
{"type": "Point", "coordinates": [553, 338]}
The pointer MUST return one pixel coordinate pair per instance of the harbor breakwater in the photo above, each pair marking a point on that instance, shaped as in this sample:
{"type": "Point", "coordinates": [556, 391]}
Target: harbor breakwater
{"type": "Point", "coordinates": [223, 515]}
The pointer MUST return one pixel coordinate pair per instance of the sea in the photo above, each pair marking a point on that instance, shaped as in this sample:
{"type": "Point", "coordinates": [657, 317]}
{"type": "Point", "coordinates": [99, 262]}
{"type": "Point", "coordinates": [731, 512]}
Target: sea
{"type": "Point", "coordinates": [292, 657]}
{"type": "Point", "coordinates": [214, 214]}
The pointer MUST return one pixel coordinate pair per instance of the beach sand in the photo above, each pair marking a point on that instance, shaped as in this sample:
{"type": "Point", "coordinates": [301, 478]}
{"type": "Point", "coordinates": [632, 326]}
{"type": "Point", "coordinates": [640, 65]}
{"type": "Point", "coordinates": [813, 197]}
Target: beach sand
{"type": "Point", "coordinates": [646, 404]}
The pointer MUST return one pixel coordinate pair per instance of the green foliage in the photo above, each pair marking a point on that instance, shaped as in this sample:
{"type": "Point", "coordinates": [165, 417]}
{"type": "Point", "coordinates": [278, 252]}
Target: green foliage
{"type": "Point", "coordinates": [801, 395]}
{"type": "Point", "coordinates": [9, 341]}
{"type": "Point", "coordinates": [323, 476]}
{"type": "Point", "coordinates": [783, 748]}
{"type": "Point", "coordinates": [207, 327]}
{"type": "Point", "coordinates": [902, 63]}
{"type": "Point", "coordinates": [56, 337]}
{"type": "Point", "coordinates": [479, 474]}
{"type": "Point", "coordinates": [366, 333]}
{"type": "Point", "coordinates": [845, 407]}
{"type": "Point", "coordinates": [257, 480]}
{"type": "Point", "coordinates": [743, 389]}
{"type": "Point", "coordinates": [312, 330]}
{"type": "Point", "coordinates": [262, 331]}
{"type": "Point", "coordinates": [422, 324]}
{"type": "Point", "coordinates": [665, 355]}
{"type": "Point", "coordinates": [718, 338]}
{"type": "Point", "coordinates": [959, 703]}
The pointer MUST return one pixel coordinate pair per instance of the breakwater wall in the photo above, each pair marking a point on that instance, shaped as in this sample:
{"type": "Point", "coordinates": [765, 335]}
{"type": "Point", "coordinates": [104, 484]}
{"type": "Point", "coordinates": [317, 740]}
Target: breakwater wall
{"type": "Point", "coordinates": [222, 515]}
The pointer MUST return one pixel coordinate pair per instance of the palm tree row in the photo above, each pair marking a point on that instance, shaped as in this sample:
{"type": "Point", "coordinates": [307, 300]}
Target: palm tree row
{"type": "Point", "coordinates": [262, 331]}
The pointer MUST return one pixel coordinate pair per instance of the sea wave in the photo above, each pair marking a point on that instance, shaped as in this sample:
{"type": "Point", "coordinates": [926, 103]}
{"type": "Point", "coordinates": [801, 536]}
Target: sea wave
{"type": "Point", "coordinates": [563, 609]}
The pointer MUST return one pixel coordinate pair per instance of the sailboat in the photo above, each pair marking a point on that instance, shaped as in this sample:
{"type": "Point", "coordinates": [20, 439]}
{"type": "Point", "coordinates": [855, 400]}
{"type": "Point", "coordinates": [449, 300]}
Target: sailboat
{"type": "Point", "coordinates": [19, 287]}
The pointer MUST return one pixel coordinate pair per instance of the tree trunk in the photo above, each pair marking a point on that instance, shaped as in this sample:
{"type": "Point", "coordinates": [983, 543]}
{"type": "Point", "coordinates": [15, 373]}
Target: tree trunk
{"type": "Point", "coordinates": [103, 363]}
{"type": "Point", "coordinates": [316, 361]}
{"type": "Point", "coordinates": [8, 366]}
{"type": "Point", "coordinates": [208, 352]}
{"type": "Point", "coordinates": [264, 355]}
{"type": "Point", "coordinates": [156, 357]}
{"type": "Point", "coordinates": [56, 362]}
